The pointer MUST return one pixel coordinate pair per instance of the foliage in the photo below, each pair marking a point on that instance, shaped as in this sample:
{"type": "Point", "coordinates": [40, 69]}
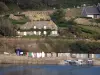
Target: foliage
{"type": "Point", "coordinates": [43, 4]}
{"type": "Point", "coordinates": [58, 45]}
{"type": "Point", "coordinates": [3, 7]}
{"type": "Point", "coordinates": [59, 15]}
{"type": "Point", "coordinates": [96, 36]}
{"type": "Point", "coordinates": [85, 17]}
{"type": "Point", "coordinates": [97, 20]}
{"type": "Point", "coordinates": [88, 31]}
{"type": "Point", "coordinates": [85, 47]}
{"type": "Point", "coordinates": [6, 28]}
{"type": "Point", "coordinates": [21, 21]}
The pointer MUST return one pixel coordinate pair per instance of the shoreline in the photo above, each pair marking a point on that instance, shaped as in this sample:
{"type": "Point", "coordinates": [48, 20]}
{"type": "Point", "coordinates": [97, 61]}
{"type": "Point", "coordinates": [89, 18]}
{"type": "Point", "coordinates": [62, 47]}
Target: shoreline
{"type": "Point", "coordinates": [24, 60]}
{"type": "Point", "coordinates": [13, 59]}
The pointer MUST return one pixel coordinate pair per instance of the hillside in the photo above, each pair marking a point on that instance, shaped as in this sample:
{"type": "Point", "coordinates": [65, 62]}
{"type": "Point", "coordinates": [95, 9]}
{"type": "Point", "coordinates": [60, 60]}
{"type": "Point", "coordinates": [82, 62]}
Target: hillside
{"type": "Point", "coordinates": [41, 4]}
{"type": "Point", "coordinates": [9, 8]}
{"type": "Point", "coordinates": [49, 45]}
{"type": "Point", "coordinates": [76, 35]}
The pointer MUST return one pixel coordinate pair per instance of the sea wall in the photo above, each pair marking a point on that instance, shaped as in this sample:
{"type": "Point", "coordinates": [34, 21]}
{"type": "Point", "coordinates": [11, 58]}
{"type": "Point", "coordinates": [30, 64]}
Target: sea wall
{"type": "Point", "coordinates": [14, 59]}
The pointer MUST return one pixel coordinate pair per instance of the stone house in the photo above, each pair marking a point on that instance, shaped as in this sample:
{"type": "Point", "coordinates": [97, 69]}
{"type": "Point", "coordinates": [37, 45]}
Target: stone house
{"type": "Point", "coordinates": [38, 28]}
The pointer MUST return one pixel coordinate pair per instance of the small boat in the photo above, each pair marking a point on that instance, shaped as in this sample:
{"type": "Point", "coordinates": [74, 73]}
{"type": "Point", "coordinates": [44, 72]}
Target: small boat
{"type": "Point", "coordinates": [78, 62]}
{"type": "Point", "coordinates": [68, 62]}
{"type": "Point", "coordinates": [90, 62]}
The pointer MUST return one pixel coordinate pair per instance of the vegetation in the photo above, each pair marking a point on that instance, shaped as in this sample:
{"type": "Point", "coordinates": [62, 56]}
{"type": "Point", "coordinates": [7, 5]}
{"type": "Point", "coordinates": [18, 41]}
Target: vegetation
{"type": "Point", "coordinates": [85, 47]}
{"type": "Point", "coordinates": [68, 30]}
{"type": "Point", "coordinates": [38, 4]}
{"type": "Point", "coordinates": [59, 17]}
{"type": "Point", "coordinates": [6, 28]}
{"type": "Point", "coordinates": [20, 21]}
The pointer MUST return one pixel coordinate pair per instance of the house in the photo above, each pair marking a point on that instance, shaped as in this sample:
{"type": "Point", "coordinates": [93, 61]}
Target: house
{"type": "Point", "coordinates": [40, 24]}
{"type": "Point", "coordinates": [91, 11]}
{"type": "Point", "coordinates": [38, 28]}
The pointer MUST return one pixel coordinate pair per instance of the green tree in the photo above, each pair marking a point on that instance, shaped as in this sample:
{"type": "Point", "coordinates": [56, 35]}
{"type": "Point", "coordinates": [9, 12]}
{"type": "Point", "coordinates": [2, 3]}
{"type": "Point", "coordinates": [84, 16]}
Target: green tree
{"type": "Point", "coordinates": [85, 47]}
{"type": "Point", "coordinates": [6, 28]}
{"type": "Point", "coordinates": [59, 15]}
{"type": "Point", "coordinates": [96, 36]}
{"type": "Point", "coordinates": [79, 47]}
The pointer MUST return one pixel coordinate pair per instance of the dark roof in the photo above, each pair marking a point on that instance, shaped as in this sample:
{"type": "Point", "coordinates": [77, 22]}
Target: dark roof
{"type": "Point", "coordinates": [92, 10]}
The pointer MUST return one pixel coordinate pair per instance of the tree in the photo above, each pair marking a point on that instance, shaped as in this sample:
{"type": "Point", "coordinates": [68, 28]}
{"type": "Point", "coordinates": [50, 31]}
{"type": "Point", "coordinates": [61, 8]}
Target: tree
{"type": "Point", "coordinates": [85, 47]}
{"type": "Point", "coordinates": [6, 28]}
{"type": "Point", "coordinates": [3, 7]}
{"type": "Point", "coordinates": [58, 15]}
{"type": "Point", "coordinates": [79, 47]}
{"type": "Point", "coordinates": [96, 36]}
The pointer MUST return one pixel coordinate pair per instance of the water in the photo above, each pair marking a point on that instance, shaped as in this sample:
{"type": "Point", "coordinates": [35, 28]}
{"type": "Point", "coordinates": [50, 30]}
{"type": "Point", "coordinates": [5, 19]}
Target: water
{"type": "Point", "coordinates": [48, 70]}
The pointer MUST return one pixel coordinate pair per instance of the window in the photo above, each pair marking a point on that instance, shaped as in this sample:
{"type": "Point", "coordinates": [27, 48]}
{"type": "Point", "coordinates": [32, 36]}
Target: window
{"type": "Point", "coordinates": [45, 32]}
{"type": "Point", "coordinates": [34, 27]}
{"type": "Point", "coordinates": [54, 32]}
{"type": "Point", "coordinates": [39, 33]}
{"type": "Point", "coordinates": [35, 32]}
{"type": "Point", "coordinates": [25, 33]}
{"type": "Point", "coordinates": [45, 27]}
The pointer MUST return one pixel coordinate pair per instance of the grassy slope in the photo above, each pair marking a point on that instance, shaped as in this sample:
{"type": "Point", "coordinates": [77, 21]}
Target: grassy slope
{"type": "Point", "coordinates": [95, 29]}
{"type": "Point", "coordinates": [73, 12]}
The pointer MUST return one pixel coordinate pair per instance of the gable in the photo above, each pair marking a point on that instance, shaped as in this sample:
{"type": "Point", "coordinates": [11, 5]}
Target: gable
{"type": "Point", "coordinates": [98, 6]}
{"type": "Point", "coordinates": [83, 12]}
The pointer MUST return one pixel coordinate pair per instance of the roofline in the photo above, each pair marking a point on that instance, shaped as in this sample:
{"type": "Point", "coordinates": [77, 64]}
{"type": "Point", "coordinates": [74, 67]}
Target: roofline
{"type": "Point", "coordinates": [82, 10]}
{"type": "Point", "coordinates": [91, 13]}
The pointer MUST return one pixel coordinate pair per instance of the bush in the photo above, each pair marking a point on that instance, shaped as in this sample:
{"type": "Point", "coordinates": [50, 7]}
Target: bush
{"type": "Point", "coordinates": [86, 17]}
{"type": "Point", "coordinates": [6, 28]}
{"type": "Point", "coordinates": [88, 31]}
{"type": "Point", "coordinates": [85, 47]}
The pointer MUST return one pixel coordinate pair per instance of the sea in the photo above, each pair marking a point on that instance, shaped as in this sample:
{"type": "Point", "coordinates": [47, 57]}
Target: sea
{"type": "Point", "coordinates": [48, 70]}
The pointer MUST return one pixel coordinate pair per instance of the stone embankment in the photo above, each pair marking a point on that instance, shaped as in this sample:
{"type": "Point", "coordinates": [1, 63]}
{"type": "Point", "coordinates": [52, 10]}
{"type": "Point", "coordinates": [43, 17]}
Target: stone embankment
{"type": "Point", "coordinates": [13, 59]}
{"type": "Point", "coordinates": [96, 62]}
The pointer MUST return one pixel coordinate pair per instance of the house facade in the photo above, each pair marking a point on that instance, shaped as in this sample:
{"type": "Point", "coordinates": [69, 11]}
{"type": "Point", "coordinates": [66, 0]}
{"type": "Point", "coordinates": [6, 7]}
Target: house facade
{"type": "Point", "coordinates": [91, 11]}
{"type": "Point", "coordinates": [40, 24]}
{"type": "Point", "coordinates": [38, 28]}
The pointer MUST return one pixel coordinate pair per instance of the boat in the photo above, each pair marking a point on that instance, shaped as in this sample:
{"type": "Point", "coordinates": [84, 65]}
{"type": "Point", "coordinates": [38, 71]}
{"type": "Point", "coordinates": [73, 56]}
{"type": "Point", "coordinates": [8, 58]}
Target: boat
{"type": "Point", "coordinates": [77, 62]}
